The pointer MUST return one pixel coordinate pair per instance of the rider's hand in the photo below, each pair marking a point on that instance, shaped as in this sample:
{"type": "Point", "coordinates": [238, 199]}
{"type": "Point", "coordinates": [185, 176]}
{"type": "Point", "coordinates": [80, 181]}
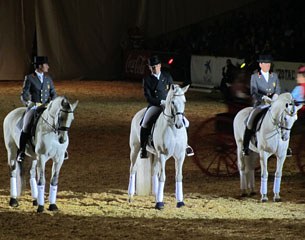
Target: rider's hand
{"type": "Point", "coordinates": [266, 99]}
{"type": "Point", "coordinates": [30, 104]}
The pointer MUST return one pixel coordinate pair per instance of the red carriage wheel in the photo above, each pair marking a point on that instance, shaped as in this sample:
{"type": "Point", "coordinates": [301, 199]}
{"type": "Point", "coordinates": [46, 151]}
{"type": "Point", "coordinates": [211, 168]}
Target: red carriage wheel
{"type": "Point", "coordinates": [214, 146]}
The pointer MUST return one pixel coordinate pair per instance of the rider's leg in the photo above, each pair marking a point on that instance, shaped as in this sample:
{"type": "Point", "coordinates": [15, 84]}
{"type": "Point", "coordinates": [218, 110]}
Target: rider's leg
{"type": "Point", "coordinates": [189, 150]}
{"type": "Point", "coordinates": [25, 134]}
{"type": "Point", "coordinates": [247, 137]}
{"type": "Point", "coordinates": [150, 116]}
{"type": "Point", "coordinates": [144, 133]}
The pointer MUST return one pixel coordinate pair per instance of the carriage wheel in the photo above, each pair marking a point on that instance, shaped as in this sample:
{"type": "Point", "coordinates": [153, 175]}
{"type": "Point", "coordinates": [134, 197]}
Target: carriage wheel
{"type": "Point", "coordinates": [215, 152]}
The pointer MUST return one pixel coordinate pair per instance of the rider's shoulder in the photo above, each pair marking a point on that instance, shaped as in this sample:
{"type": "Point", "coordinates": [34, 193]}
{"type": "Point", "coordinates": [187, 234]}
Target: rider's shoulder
{"type": "Point", "coordinates": [29, 76]}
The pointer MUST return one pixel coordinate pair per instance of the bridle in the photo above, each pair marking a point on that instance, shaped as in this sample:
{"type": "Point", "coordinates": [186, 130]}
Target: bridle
{"type": "Point", "coordinates": [58, 127]}
{"type": "Point", "coordinates": [172, 117]}
{"type": "Point", "coordinates": [279, 125]}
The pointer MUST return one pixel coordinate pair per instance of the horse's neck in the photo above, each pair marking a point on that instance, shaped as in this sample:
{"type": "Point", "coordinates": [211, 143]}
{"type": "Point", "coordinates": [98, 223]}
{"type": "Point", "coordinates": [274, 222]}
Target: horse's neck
{"type": "Point", "coordinates": [275, 114]}
{"type": "Point", "coordinates": [271, 121]}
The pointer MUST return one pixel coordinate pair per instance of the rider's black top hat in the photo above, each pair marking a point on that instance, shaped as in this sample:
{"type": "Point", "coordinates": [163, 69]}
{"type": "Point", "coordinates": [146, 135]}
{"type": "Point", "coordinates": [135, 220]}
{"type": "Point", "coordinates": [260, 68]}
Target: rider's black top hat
{"type": "Point", "coordinates": [266, 58]}
{"type": "Point", "coordinates": [38, 60]}
{"type": "Point", "coordinates": [154, 60]}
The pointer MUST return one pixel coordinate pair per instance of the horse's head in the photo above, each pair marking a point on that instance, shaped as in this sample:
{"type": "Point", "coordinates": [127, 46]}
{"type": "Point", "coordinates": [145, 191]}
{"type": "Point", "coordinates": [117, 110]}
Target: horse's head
{"type": "Point", "coordinates": [62, 111]}
{"type": "Point", "coordinates": [287, 113]}
{"type": "Point", "coordinates": [175, 104]}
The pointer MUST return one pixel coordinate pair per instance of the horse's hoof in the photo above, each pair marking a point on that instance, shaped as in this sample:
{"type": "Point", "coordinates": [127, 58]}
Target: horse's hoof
{"type": "Point", "coordinates": [14, 202]}
{"type": "Point", "coordinates": [243, 195]}
{"type": "Point", "coordinates": [40, 208]}
{"type": "Point", "coordinates": [252, 194]}
{"type": "Point", "coordinates": [180, 204]}
{"type": "Point", "coordinates": [53, 207]}
{"type": "Point", "coordinates": [277, 200]}
{"type": "Point", "coordinates": [35, 203]}
{"type": "Point", "coordinates": [159, 205]}
{"type": "Point", "coordinates": [264, 200]}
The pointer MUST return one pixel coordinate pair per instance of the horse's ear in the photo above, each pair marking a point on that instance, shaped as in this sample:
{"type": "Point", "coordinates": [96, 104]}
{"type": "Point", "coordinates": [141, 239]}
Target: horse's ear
{"type": "Point", "coordinates": [74, 105]}
{"type": "Point", "coordinates": [65, 102]}
{"type": "Point", "coordinates": [299, 107]}
{"type": "Point", "coordinates": [185, 88]}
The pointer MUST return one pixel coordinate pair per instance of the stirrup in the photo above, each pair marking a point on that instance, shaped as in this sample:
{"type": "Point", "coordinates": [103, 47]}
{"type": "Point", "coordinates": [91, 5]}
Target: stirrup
{"type": "Point", "coordinates": [21, 157]}
{"type": "Point", "coordinates": [66, 155]}
{"type": "Point", "coordinates": [245, 152]}
{"type": "Point", "coordinates": [289, 152]}
{"type": "Point", "coordinates": [189, 151]}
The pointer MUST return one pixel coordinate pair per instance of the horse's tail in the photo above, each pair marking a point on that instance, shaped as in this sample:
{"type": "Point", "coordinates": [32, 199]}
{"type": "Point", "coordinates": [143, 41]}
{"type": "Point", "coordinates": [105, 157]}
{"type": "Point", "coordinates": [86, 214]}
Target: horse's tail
{"type": "Point", "coordinates": [21, 170]}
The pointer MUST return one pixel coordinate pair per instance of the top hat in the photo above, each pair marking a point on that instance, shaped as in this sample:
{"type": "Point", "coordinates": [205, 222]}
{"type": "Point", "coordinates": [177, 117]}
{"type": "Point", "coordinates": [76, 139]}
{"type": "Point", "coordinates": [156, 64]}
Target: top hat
{"type": "Point", "coordinates": [38, 60]}
{"type": "Point", "coordinates": [265, 58]}
{"type": "Point", "coordinates": [154, 60]}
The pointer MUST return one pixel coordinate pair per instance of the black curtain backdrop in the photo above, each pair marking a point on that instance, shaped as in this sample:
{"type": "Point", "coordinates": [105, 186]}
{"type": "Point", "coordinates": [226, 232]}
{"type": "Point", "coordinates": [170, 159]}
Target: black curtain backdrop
{"type": "Point", "coordinates": [82, 38]}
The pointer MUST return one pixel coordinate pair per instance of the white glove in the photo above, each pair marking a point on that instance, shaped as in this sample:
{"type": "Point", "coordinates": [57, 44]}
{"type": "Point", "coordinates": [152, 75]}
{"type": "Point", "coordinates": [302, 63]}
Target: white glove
{"type": "Point", "coordinates": [30, 104]}
{"type": "Point", "coordinates": [162, 103]}
{"type": "Point", "coordinates": [266, 99]}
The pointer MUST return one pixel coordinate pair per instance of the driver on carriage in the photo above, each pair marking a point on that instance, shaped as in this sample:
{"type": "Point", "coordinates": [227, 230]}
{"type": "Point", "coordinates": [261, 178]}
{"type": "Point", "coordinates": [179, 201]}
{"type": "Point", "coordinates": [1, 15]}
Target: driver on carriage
{"type": "Point", "coordinates": [156, 87]}
{"type": "Point", "coordinates": [263, 83]}
{"type": "Point", "coordinates": [38, 90]}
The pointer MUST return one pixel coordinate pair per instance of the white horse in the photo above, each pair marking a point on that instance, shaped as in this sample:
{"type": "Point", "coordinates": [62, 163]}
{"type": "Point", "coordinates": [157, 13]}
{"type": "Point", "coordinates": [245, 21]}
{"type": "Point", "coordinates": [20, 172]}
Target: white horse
{"type": "Point", "coordinates": [272, 138]}
{"type": "Point", "coordinates": [50, 142]}
{"type": "Point", "coordinates": [169, 139]}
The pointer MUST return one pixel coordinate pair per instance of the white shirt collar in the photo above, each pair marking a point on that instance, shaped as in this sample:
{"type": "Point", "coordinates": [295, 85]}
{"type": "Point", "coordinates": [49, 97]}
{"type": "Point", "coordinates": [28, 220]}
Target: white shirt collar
{"type": "Point", "coordinates": [40, 76]}
{"type": "Point", "coordinates": [266, 75]}
{"type": "Point", "coordinates": [157, 75]}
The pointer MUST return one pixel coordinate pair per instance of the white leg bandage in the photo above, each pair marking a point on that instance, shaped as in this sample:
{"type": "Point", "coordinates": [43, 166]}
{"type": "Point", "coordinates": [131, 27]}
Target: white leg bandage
{"type": "Point", "coordinates": [13, 182]}
{"type": "Point", "coordinates": [179, 192]}
{"type": "Point", "coordinates": [243, 180]}
{"type": "Point", "coordinates": [159, 196]}
{"type": "Point", "coordinates": [132, 184]}
{"type": "Point", "coordinates": [40, 198]}
{"type": "Point", "coordinates": [34, 190]}
{"type": "Point", "coordinates": [52, 194]}
{"type": "Point", "coordinates": [277, 185]}
{"type": "Point", "coordinates": [155, 184]}
{"type": "Point", "coordinates": [263, 185]}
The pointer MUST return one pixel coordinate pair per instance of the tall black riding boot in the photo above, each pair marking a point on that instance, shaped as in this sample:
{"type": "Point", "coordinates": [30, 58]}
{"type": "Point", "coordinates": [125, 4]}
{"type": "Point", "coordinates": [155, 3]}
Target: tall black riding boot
{"type": "Point", "coordinates": [246, 142]}
{"type": "Point", "coordinates": [144, 133]}
{"type": "Point", "coordinates": [22, 143]}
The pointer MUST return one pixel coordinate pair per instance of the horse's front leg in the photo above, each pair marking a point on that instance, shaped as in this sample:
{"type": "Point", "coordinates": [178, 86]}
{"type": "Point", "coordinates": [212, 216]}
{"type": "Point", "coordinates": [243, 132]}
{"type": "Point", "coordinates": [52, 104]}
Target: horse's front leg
{"type": "Point", "coordinates": [179, 177]}
{"type": "Point", "coordinates": [264, 176]}
{"type": "Point", "coordinates": [54, 184]}
{"type": "Point", "coordinates": [33, 182]}
{"type": "Point", "coordinates": [160, 195]}
{"type": "Point", "coordinates": [41, 163]}
{"type": "Point", "coordinates": [278, 178]}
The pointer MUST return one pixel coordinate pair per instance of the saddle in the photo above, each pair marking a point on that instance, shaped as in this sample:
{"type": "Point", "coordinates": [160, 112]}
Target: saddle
{"type": "Point", "coordinates": [38, 112]}
{"type": "Point", "coordinates": [257, 124]}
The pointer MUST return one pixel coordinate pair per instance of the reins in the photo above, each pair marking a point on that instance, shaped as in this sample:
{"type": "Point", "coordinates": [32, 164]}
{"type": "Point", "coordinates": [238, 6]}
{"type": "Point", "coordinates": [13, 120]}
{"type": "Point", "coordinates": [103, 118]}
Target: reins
{"type": "Point", "coordinates": [59, 128]}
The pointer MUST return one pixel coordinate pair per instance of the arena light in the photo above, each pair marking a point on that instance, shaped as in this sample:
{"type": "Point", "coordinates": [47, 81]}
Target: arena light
{"type": "Point", "coordinates": [170, 61]}
{"type": "Point", "coordinates": [242, 65]}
